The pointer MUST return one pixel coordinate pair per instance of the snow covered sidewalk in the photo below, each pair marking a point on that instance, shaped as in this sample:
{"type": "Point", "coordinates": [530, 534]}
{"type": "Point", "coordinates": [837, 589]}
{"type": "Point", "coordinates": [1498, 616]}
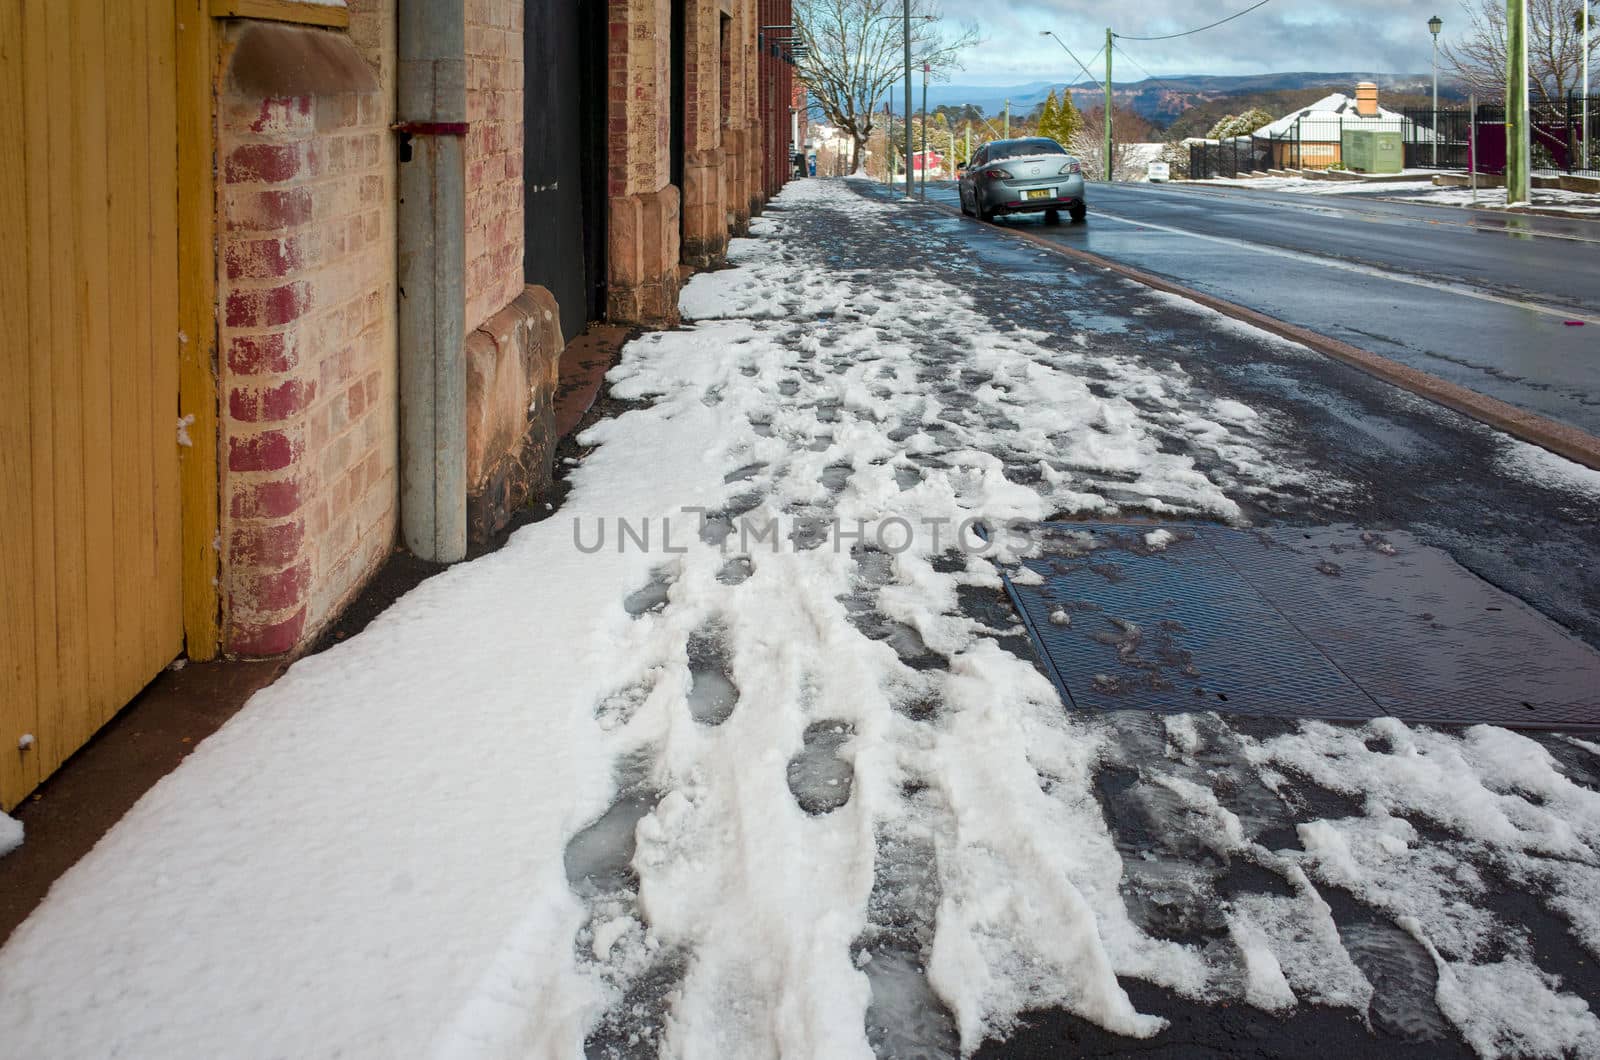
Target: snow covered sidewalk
{"type": "Point", "coordinates": [742, 755]}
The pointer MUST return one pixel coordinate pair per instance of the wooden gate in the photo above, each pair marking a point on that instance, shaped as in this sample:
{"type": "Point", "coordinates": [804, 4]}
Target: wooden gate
{"type": "Point", "coordinates": [91, 581]}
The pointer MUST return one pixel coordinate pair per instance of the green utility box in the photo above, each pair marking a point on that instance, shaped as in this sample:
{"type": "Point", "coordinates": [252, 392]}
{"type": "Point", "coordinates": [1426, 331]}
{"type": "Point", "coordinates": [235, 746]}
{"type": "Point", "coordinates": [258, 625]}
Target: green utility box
{"type": "Point", "coordinates": [1372, 151]}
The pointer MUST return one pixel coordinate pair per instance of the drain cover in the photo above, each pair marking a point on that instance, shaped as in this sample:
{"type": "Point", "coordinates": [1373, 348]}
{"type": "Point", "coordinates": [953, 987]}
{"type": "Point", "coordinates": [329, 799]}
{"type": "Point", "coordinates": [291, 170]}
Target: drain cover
{"type": "Point", "coordinates": [1325, 623]}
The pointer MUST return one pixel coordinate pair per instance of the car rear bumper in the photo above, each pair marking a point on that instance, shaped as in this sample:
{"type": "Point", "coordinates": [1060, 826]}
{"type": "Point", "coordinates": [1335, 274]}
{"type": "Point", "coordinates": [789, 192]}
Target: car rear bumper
{"type": "Point", "coordinates": [1013, 196]}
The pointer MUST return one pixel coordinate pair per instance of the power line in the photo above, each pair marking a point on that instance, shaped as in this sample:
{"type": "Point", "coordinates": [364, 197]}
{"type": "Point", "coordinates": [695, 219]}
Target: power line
{"type": "Point", "coordinates": [1092, 79]}
{"type": "Point", "coordinates": [1201, 29]}
{"type": "Point", "coordinates": [1123, 52]}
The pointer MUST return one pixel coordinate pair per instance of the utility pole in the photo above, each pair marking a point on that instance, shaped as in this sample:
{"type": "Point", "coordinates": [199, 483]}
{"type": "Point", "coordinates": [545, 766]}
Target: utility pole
{"type": "Point", "coordinates": [1109, 176]}
{"type": "Point", "coordinates": [1586, 129]}
{"type": "Point", "coordinates": [908, 97]}
{"type": "Point", "coordinates": [1008, 120]}
{"type": "Point", "coordinates": [1518, 130]}
{"type": "Point", "coordinates": [969, 142]}
{"type": "Point", "coordinates": [922, 185]}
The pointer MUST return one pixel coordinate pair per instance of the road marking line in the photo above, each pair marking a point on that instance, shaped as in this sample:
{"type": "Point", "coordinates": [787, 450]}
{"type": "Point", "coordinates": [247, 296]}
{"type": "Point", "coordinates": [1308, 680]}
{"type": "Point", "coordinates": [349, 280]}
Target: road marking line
{"type": "Point", "coordinates": [1362, 270]}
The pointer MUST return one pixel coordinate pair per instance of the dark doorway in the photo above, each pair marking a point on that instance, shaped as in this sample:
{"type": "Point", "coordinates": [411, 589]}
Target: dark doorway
{"type": "Point", "coordinates": [680, 87]}
{"type": "Point", "coordinates": [564, 155]}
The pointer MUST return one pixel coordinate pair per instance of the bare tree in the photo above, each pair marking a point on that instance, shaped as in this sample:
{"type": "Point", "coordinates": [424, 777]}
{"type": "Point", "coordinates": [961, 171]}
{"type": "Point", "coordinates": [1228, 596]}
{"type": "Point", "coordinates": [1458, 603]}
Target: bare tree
{"type": "Point", "coordinates": [1127, 128]}
{"type": "Point", "coordinates": [856, 55]}
{"type": "Point", "coordinates": [1555, 47]}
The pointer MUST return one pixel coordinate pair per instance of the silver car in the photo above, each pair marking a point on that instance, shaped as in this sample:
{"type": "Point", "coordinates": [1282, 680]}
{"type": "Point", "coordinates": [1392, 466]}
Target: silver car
{"type": "Point", "coordinates": [1029, 175]}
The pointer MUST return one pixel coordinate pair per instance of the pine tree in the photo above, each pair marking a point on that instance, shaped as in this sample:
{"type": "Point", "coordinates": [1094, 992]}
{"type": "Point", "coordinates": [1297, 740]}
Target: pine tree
{"type": "Point", "coordinates": [1069, 120]}
{"type": "Point", "coordinates": [1051, 118]}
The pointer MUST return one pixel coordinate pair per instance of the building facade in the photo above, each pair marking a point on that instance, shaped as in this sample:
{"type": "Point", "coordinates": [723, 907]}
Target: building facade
{"type": "Point", "coordinates": [297, 281]}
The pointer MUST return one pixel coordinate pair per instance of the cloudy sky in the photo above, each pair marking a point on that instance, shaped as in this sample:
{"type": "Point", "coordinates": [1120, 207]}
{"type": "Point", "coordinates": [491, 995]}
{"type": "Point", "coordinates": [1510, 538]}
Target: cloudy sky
{"type": "Point", "coordinates": [1388, 36]}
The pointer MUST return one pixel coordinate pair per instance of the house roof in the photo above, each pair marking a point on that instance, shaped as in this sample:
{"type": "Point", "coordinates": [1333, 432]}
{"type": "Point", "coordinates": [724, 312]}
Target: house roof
{"type": "Point", "coordinates": [1331, 111]}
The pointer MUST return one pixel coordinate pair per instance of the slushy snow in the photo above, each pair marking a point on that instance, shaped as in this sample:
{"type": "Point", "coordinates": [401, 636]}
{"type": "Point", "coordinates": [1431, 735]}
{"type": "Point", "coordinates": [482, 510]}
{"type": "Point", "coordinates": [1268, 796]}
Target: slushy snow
{"type": "Point", "coordinates": [10, 834]}
{"type": "Point", "coordinates": [765, 787]}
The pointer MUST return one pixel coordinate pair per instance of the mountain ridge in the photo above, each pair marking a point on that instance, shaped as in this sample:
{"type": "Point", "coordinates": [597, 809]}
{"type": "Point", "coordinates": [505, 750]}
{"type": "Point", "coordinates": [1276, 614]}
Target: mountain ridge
{"type": "Point", "coordinates": [1163, 100]}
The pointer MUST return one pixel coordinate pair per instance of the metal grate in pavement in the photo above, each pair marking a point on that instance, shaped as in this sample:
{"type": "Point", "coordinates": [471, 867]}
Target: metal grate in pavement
{"type": "Point", "coordinates": [1325, 623]}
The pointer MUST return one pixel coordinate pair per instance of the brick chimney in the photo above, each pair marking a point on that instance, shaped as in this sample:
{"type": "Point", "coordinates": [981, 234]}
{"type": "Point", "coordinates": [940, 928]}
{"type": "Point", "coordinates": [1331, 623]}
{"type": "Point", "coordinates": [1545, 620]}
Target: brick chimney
{"type": "Point", "coordinates": [1367, 99]}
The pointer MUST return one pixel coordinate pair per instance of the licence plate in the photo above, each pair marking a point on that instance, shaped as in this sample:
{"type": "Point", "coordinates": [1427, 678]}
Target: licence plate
{"type": "Point", "coordinates": [1041, 193]}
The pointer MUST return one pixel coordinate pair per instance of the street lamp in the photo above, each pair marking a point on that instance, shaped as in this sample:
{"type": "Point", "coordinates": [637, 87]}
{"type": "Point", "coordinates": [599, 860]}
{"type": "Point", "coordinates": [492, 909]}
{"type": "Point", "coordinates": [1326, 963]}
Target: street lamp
{"type": "Point", "coordinates": [1435, 24]}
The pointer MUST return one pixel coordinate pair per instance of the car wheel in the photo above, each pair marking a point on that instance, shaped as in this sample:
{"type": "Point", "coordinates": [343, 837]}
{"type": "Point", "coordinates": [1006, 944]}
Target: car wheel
{"type": "Point", "coordinates": [964, 211]}
{"type": "Point", "coordinates": [1052, 217]}
{"type": "Point", "coordinates": [1079, 213]}
{"type": "Point", "coordinates": [985, 214]}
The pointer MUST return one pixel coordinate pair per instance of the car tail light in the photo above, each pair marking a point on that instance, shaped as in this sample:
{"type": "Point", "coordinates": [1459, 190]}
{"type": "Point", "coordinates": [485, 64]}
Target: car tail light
{"type": "Point", "coordinates": [1072, 167]}
{"type": "Point", "coordinates": [997, 174]}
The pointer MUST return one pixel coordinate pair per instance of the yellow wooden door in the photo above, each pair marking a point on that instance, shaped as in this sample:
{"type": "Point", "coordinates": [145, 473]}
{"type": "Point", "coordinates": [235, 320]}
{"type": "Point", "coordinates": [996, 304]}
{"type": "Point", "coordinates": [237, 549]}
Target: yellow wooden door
{"type": "Point", "coordinates": [90, 582]}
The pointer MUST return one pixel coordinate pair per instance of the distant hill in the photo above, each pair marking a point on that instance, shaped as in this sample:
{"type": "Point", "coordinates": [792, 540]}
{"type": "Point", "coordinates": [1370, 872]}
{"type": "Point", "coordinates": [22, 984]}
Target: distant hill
{"type": "Point", "coordinates": [1166, 100]}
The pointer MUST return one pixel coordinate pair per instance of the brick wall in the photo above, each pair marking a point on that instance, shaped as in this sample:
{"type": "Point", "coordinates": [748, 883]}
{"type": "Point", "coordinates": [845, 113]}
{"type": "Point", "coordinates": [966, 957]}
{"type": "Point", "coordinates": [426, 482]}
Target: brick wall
{"type": "Point", "coordinates": [307, 325]}
{"type": "Point", "coordinates": [644, 210]}
{"type": "Point", "coordinates": [493, 157]}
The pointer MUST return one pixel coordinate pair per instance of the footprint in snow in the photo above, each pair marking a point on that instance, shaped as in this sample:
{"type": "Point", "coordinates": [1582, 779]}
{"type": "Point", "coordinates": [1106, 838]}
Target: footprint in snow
{"type": "Point", "coordinates": [819, 779]}
{"type": "Point", "coordinates": [712, 693]}
{"type": "Point", "coordinates": [651, 598]}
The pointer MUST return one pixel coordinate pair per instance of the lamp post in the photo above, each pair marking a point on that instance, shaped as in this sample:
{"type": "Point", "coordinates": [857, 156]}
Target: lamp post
{"type": "Point", "coordinates": [908, 98]}
{"type": "Point", "coordinates": [1586, 4]}
{"type": "Point", "coordinates": [908, 18]}
{"type": "Point", "coordinates": [1435, 24]}
{"type": "Point", "coordinates": [922, 183]}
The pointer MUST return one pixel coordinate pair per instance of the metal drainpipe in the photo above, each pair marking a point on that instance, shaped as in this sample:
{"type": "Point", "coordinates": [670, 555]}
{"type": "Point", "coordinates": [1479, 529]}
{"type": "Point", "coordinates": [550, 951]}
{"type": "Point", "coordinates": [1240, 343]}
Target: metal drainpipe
{"type": "Point", "coordinates": [432, 122]}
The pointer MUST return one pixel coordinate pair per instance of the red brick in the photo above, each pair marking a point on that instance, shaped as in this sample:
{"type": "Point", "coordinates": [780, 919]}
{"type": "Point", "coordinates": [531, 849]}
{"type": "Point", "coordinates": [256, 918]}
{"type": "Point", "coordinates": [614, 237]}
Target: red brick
{"type": "Point", "coordinates": [267, 451]}
{"type": "Point", "coordinates": [357, 398]}
{"type": "Point", "coordinates": [264, 258]}
{"type": "Point", "coordinates": [268, 500]}
{"type": "Point", "coordinates": [283, 589]}
{"type": "Point", "coordinates": [269, 307]}
{"type": "Point", "coordinates": [265, 163]}
{"type": "Point", "coordinates": [266, 545]}
{"type": "Point", "coordinates": [283, 113]}
{"type": "Point", "coordinates": [271, 404]}
{"type": "Point", "coordinates": [283, 209]}
{"type": "Point", "coordinates": [261, 354]}
{"type": "Point", "coordinates": [267, 638]}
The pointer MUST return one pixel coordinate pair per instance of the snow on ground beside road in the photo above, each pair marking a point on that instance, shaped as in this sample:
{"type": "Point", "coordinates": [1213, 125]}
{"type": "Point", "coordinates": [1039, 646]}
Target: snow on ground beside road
{"type": "Point", "coordinates": [1541, 465]}
{"type": "Point", "coordinates": [1308, 186]}
{"type": "Point", "coordinates": [1543, 199]}
{"type": "Point", "coordinates": [786, 781]}
{"type": "Point", "coordinates": [1422, 191]}
{"type": "Point", "coordinates": [10, 834]}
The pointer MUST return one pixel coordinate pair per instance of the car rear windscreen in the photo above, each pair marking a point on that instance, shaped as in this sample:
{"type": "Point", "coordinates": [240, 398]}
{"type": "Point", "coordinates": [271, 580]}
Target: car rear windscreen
{"type": "Point", "coordinates": [1024, 148]}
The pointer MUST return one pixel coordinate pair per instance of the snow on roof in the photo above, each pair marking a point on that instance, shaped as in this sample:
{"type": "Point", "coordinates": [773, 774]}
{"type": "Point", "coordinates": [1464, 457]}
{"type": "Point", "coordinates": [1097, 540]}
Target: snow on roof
{"type": "Point", "coordinates": [1333, 111]}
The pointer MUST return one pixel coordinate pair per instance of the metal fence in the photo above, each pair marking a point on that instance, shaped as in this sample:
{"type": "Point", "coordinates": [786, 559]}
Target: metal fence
{"type": "Point", "coordinates": [1446, 139]}
{"type": "Point", "coordinates": [1229, 158]}
{"type": "Point", "coordinates": [1561, 130]}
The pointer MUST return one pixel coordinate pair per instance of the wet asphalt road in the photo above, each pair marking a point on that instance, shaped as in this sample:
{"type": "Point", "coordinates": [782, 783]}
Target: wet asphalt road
{"type": "Point", "coordinates": [1481, 300]}
{"type": "Point", "coordinates": [1373, 455]}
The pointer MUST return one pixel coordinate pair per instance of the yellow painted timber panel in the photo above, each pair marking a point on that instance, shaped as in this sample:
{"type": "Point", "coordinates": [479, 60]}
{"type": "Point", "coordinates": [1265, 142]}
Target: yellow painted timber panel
{"type": "Point", "coordinates": [166, 264]}
{"type": "Point", "coordinates": [19, 712]}
{"type": "Point", "coordinates": [195, 63]}
{"type": "Point", "coordinates": [91, 606]}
